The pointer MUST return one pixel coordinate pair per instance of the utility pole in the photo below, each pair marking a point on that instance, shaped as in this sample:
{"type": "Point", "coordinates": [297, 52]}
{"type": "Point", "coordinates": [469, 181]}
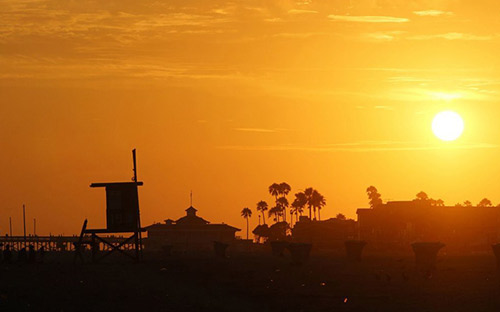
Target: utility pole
{"type": "Point", "coordinates": [24, 223]}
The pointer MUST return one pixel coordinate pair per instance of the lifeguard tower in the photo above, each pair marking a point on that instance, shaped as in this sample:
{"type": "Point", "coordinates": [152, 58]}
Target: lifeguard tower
{"type": "Point", "coordinates": [122, 217]}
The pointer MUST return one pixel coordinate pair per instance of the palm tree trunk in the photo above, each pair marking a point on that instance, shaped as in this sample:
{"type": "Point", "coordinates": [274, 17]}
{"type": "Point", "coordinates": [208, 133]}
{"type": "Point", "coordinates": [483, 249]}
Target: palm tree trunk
{"type": "Point", "coordinates": [247, 228]}
{"type": "Point", "coordinates": [310, 217]}
{"type": "Point", "coordinates": [263, 216]}
{"type": "Point", "coordinates": [319, 213]}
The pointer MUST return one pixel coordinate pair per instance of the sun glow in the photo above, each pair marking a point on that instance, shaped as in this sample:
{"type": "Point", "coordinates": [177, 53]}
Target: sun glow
{"type": "Point", "coordinates": [448, 125]}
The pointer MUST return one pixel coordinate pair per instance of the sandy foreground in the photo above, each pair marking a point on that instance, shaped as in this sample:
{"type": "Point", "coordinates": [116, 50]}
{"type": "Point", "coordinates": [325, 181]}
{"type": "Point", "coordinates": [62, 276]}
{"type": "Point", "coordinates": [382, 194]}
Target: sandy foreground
{"type": "Point", "coordinates": [250, 282]}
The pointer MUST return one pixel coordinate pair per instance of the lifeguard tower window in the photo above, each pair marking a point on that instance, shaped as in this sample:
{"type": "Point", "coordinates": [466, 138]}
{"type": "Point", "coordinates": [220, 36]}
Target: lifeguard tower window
{"type": "Point", "coordinates": [122, 205]}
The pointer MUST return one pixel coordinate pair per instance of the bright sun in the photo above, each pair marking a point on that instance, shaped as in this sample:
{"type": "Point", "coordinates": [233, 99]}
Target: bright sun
{"type": "Point", "coordinates": [448, 125]}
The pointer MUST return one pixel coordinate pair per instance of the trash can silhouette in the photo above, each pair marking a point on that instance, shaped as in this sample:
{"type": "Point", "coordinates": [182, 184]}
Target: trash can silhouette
{"type": "Point", "coordinates": [426, 255]}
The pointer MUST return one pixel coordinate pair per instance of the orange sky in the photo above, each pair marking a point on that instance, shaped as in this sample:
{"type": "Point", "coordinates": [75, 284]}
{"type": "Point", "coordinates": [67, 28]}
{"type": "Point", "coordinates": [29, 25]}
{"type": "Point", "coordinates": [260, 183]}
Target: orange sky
{"type": "Point", "coordinates": [225, 98]}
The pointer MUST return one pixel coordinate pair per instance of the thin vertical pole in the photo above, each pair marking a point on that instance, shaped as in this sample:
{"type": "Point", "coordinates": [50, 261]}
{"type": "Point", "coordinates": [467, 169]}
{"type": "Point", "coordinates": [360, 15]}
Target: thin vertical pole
{"type": "Point", "coordinates": [24, 223]}
{"type": "Point", "coordinates": [138, 234]}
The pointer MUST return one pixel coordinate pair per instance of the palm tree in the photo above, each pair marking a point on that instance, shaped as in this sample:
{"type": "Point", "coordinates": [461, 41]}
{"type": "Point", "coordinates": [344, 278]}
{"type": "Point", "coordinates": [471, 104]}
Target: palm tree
{"type": "Point", "coordinates": [308, 193]}
{"type": "Point", "coordinates": [282, 204]}
{"type": "Point", "coordinates": [373, 196]}
{"type": "Point", "coordinates": [246, 213]}
{"type": "Point", "coordinates": [298, 204]}
{"type": "Point", "coordinates": [284, 189]}
{"type": "Point", "coordinates": [274, 212]}
{"type": "Point", "coordinates": [318, 201]}
{"type": "Point", "coordinates": [262, 207]}
{"type": "Point", "coordinates": [275, 190]}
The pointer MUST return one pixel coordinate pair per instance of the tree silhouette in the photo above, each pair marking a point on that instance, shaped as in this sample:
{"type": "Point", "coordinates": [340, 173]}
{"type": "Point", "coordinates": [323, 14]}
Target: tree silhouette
{"type": "Point", "coordinates": [275, 190]}
{"type": "Point", "coordinates": [298, 204]}
{"type": "Point", "coordinates": [262, 207]}
{"type": "Point", "coordinates": [282, 204]}
{"type": "Point", "coordinates": [284, 188]}
{"type": "Point", "coordinates": [316, 201]}
{"type": "Point", "coordinates": [439, 202]}
{"type": "Point", "coordinates": [340, 216]}
{"type": "Point", "coordinates": [246, 213]}
{"type": "Point", "coordinates": [275, 213]}
{"type": "Point", "coordinates": [308, 192]}
{"type": "Point", "coordinates": [485, 202]}
{"type": "Point", "coordinates": [422, 196]}
{"type": "Point", "coordinates": [373, 196]}
{"type": "Point", "coordinates": [467, 203]}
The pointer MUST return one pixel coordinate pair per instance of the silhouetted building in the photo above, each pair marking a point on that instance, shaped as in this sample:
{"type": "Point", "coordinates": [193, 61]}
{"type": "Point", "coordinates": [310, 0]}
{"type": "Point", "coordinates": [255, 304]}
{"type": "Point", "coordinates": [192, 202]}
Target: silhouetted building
{"type": "Point", "coordinates": [331, 233]}
{"type": "Point", "coordinates": [190, 232]}
{"type": "Point", "coordinates": [399, 223]}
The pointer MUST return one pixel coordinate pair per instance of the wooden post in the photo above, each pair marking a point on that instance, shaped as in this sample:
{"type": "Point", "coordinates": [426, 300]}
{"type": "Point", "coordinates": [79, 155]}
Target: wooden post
{"type": "Point", "coordinates": [24, 224]}
{"type": "Point", "coordinates": [138, 233]}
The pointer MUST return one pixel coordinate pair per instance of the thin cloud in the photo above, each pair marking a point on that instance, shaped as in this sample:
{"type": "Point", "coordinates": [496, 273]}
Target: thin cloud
{"type": "Point", "coordinates": [432, 13]}
{"type": "Point", "coordinates": [261, 130]}
{"type": "Point", "coordinates": [452, 36]}
{"type": "Point", "coordinates": [368, 19]}
{"type": "Point", "coordinates": [297, 11]}
{"type": "Point", "coordinates": [298, 35]}
{"type": "Point", "coordinates": [382, 36]}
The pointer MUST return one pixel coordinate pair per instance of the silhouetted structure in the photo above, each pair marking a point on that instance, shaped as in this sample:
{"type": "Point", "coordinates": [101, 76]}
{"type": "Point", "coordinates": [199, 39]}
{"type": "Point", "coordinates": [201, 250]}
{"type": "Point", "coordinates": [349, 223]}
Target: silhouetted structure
{"type": "Point", "coordinates": [190, 232]}
{"type": "Point", "coordinates": [397, 224]}
{"type": "Point", "coordinates": [426, 256]}
{"type": "Point", "coordinates": [331, 233]}
{"type": "Point", "coordinates": [122, 216]}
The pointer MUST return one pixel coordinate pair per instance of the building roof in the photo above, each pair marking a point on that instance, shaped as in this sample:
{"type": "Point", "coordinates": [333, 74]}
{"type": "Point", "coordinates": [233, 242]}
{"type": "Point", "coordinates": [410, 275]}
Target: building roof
{"type": "Point", "coordinates": [181, 227]}
{"type": "Point", "coordinates": [190, 222]}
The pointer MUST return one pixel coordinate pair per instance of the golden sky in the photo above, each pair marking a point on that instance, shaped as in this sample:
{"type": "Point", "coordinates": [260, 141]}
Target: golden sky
{"type": "Point", "coordinates": [226, 97]}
